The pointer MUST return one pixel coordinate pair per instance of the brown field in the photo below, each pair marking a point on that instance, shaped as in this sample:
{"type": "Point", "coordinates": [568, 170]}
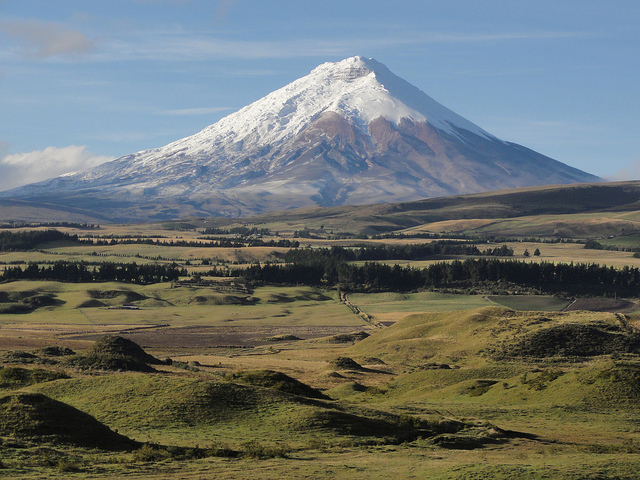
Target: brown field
{"type": "Point", "coordinates": [206, 337]}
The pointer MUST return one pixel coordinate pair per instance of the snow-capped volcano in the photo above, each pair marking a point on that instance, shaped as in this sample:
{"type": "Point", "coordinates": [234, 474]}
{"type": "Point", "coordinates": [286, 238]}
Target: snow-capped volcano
{"type": "Point", "coordinates": [350, 132]}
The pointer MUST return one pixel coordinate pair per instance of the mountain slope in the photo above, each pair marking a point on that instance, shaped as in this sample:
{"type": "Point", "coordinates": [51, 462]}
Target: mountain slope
{"type": "Point", "coordinates": [348, 133]}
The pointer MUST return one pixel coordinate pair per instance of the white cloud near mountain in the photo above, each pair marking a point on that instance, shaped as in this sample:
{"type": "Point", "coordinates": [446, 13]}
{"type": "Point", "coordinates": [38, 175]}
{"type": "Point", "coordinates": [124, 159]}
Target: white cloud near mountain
{"type": "Point", "coordinates": [22, 168]}
{"type": "Point", "coordinates": [45, 39]}
{"type": "Point", "coordinates": [631, 172]}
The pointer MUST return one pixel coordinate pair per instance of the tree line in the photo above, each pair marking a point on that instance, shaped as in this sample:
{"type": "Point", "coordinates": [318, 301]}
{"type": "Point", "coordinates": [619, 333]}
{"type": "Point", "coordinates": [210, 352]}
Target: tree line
{"type": "Point", "coordinates": [211, 242]}
{"type": "Point", "coordinates": [478, 273]}
{"type": "Point", "coordinates": [79, 226]}
{"type": "Point", "coordinates": [419, 251]}
{"type": "Point", "coordinates": [30, 239]}
{"type": "Point", "coordinates": [240, 231]}
{"type": "Point", "coordinates": [81, 272]}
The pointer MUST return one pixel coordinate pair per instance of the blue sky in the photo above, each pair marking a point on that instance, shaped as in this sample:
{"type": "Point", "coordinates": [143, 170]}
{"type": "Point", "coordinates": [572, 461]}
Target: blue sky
{"type": "Point", "coordinates": [83, 81]}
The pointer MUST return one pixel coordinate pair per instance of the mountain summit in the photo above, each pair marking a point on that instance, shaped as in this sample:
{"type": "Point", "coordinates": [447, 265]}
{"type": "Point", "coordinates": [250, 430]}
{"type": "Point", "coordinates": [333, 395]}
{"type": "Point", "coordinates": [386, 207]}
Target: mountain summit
{"type": "Point", "coordinates": [350, 132]}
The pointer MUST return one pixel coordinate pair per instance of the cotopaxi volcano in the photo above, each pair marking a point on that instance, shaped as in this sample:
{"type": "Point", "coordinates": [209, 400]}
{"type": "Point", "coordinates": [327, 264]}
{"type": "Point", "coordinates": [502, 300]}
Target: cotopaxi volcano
{"type": "Point", "coordinates": [350, 132]}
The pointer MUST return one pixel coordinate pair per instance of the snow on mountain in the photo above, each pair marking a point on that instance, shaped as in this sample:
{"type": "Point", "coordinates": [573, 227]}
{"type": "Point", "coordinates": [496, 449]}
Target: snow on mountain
{"type": "Point", "coordinates": [349, 132]}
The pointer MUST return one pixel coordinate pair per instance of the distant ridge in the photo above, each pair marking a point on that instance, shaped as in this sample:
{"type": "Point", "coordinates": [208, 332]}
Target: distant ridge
{"type": "Point", "coordinates": [546, 200]}
{"type": "Point", "coordinates": [349, 133]}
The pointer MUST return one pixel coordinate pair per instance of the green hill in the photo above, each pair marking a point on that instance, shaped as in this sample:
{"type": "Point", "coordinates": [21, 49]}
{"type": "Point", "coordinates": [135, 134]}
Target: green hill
{"type": "Point", "coordinates": [38, 418]}
{"type": "Point", "coordinates": [476, 336]}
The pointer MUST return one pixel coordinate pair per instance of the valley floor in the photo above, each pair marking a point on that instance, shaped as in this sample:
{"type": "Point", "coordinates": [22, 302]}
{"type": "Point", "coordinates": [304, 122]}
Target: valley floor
{"type": "Point", "coordinates": [469, 390]}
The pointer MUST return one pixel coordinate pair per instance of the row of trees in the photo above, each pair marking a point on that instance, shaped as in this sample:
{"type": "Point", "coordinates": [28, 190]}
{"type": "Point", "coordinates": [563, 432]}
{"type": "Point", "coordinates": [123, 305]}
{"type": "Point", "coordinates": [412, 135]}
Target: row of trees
{"type": "Point", "coordinates": [212, 242]}
{"type": "Point", "coordinates": [82, 272]}
{"type": "Point", "coordinates": [395, 252]}
{"type": "Point", "coordinates": [29, 240]}
{"type": "Point", "coordinates": [79, 226]}
{"type": "Point", "coordinates": [32, 239]}
{"type": "Point", "coordinates": [577, 279]}
{"type": "Point", "coordinates": [241, 231]}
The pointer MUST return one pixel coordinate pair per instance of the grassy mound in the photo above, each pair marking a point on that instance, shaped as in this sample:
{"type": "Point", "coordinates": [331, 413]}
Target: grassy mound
{"type": "Point", "coordinates": [345, 363]}
{"type": "Point", "coordinates": [572, 340]}
{"type": "Point", "coordinates": [135, 399]}
{"type": "Point", "coordinates": [38, 418]}
{"type": "Point", "coordinates": [189, 409]}
{"type": "Point", "coordinates": [127, 296]}
{"type": "Point", "coordinates": [614, 384]}
{"type": "Point", "coordinates": [16, 377]}
{"type": "Point", "coordinates": [56, 351]}
{"type": "Point", "coordinates": [348, 337]}
{"type": "Point", "coordinates": [116, 353]}
{"type": "Point", "coordinates": [359, 425]}
{"type": "Point", "coordinates": [297, 295]}
{"type": "Point", "coordinates": [437, 336]}
{"type": "Point", "coordinates": [275, 380]}
{"type": "Point", "coordinates": [471, 336]}
{"type": "Point", "coordinates": [600, 386]}
{"type": "Point", "coordinates": [93, 303]}
{"type": "Point", "coordinates": [222, 300]}
{"type": "Point", "coordinates": [20, 356]}
{"type": "Point", "coordinates": [26, 301]}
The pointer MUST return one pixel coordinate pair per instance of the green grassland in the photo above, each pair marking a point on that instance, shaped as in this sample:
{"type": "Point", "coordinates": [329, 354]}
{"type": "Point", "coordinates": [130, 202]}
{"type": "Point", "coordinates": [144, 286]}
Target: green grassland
{"type": "Point", "coordinates": [263, 382]}
{"type": "Point", "coordinates": [391, 306]}
{"type": "Point", "coordinates": [624, 241]}
{"type": "Point", "coordinates": [76, 312]}
{"type": "Point", "coordinates": [539, 303]}
{"type": "Point", "coordinates": [472, 393]}
{"type": "Point", "coordinates": [141, 254]}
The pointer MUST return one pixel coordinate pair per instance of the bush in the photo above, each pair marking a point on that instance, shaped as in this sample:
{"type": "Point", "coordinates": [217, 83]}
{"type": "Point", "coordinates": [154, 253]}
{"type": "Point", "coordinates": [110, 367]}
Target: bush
{"type": "Point", "coordinates": [254, 449]}
{"type": "Point", "coordinates": [150, 453]}
{"type": "Point", "coordinates": [543, 379]}
{"type": "Point", "coordinates": [68, 466]}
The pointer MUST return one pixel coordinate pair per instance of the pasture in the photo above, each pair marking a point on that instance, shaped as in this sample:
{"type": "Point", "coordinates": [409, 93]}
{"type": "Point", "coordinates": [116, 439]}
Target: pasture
{"type": "Point", "coordinates": [263, 381]}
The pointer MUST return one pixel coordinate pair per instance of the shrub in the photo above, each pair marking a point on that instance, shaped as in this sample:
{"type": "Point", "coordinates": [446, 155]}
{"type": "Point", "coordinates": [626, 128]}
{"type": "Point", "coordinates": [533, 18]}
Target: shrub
{"type": "Point", "coordinates": [68, 466]}
{"type": "Point", "coordinates": [543, 379]}
{"type": "Point", "coordinates": [255, 449]}
{"type": "Point", "coordinates": [150, 453]}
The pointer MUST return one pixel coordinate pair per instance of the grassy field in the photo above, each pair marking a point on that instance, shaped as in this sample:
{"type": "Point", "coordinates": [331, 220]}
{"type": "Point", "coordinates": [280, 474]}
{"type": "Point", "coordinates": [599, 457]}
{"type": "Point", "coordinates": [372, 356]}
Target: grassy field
{"type": "Point", "coordinates": [297, 382]}
{"type": "Point", "coordinates": [537, 303]}
{"type": "Point", "coordinates": [624, 241]}
{"type": "Point", "coordinates": [548, 416]}
{"type": "Point", "coordinates": [391, 307]}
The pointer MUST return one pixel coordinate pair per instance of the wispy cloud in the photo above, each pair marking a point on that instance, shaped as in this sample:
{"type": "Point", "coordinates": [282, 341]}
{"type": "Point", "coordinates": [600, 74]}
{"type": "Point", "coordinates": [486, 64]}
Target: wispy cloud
{"type": "Point", "coordinates": [195, 111]}
{"type": "Point", "coordinates": [38, 39]}
{"type": "Point", "coordinates": [45, 39]}
{"type": "Point", "coordinates": [177, 46]}
{"type": "Point", "coordinates": [457, 37]}
{"type": "Point", "coordinates": [23, 168]}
